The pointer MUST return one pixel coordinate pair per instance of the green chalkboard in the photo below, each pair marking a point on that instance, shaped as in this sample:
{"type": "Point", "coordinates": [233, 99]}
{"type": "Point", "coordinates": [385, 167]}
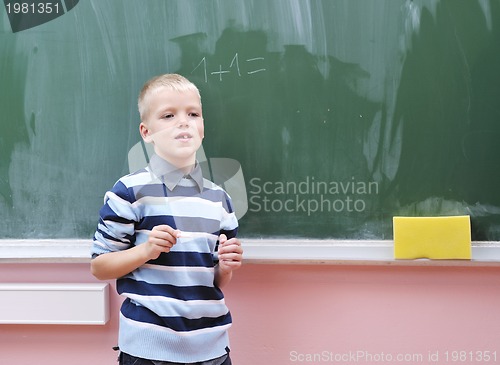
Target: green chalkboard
{"type": "Point", "coordinates": [341, 113]}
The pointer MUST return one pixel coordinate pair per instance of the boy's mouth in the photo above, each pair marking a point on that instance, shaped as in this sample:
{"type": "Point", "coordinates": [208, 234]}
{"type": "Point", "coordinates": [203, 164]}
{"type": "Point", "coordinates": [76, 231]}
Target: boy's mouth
{"type": "Point", "coordinates": [184, 135]}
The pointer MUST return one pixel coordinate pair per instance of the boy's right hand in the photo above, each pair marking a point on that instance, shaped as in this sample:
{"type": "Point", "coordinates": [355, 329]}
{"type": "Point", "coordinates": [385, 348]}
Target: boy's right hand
{"type": "Point", "coordinates": [161, 239]}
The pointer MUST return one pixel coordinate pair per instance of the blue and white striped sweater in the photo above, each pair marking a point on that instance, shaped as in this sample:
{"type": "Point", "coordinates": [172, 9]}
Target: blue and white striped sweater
{"type": "Point", "coordinates": [172, 311]}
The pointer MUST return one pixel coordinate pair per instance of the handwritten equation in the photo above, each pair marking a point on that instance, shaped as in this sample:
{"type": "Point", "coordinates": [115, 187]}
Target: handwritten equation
{"type": "Point", "coordinates": [239, 67]}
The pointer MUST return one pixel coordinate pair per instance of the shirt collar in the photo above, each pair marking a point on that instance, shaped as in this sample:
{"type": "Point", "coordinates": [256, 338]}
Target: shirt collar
{"type": "Point", "coordinates": [171, 176]}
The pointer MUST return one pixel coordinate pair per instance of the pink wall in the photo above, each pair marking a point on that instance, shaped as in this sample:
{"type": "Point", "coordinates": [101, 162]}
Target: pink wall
{"type": "Point", "coordinates": [282, 313]}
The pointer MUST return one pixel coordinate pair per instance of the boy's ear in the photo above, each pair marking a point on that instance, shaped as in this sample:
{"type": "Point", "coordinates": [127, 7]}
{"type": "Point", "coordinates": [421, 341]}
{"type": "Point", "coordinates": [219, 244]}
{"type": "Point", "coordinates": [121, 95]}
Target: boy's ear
{"type": "Point", "coordinates": [145, 133]}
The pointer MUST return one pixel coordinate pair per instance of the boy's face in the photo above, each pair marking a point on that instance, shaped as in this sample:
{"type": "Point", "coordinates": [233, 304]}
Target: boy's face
{"type": "Point", "coordinates": [174, 124]}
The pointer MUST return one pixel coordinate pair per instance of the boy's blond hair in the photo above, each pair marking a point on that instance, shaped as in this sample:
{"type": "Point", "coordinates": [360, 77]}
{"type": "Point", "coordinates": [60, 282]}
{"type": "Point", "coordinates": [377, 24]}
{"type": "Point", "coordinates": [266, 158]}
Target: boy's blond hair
{"type": "Point", "coordinates": [170, 81]}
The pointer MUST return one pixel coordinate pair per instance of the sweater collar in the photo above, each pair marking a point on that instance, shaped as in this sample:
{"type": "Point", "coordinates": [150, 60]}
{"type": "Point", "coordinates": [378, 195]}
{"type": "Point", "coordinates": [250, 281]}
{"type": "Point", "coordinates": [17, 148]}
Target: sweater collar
{"type": "Point", "coordinates": [171, 175]}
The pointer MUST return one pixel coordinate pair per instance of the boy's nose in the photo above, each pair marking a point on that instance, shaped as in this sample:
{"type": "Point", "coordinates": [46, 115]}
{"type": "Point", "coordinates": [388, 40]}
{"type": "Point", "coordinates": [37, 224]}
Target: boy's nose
{"type": "Point", "coordinates": [183, 121]}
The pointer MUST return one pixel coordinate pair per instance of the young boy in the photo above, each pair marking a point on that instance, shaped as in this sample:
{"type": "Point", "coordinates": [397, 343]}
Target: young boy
{"type": "Point", "coordinates": [169, 238]}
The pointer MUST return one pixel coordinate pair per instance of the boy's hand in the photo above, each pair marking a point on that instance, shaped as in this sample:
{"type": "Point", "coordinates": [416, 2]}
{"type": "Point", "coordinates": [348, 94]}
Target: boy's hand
{"type": "Point", "coordinates": [161, 239]}
{"type": "Point", "coordinates": [230, 253]}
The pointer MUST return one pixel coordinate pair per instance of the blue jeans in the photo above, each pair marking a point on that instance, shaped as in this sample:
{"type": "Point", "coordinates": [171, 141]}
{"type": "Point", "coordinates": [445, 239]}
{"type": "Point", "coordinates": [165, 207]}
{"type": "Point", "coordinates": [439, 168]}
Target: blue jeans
{"type": "Point", "coordinates": [126, 359]}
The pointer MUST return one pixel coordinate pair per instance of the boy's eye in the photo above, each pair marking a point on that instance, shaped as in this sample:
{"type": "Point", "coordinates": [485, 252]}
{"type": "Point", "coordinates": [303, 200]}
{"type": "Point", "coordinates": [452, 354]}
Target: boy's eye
{"type": "Point", "coordinates": [168, 116]}
{"type": "Point", "coordinates": [194, 115]}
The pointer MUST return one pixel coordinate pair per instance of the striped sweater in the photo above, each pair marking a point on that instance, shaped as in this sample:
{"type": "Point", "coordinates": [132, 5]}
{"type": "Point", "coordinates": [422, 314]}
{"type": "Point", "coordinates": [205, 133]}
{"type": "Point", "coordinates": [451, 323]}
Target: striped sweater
{"type": "Point", "coordinates": [172, 310]}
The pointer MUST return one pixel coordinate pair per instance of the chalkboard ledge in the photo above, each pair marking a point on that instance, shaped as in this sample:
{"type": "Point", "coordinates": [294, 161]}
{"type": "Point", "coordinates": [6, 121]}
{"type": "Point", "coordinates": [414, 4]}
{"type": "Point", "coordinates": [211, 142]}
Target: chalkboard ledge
{"type": "Point", "coordinates": [259, 251]}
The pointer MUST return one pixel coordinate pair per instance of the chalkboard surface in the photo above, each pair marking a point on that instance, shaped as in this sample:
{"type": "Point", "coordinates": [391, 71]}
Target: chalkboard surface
{"type": "Point", "coordinates": [341, 113]}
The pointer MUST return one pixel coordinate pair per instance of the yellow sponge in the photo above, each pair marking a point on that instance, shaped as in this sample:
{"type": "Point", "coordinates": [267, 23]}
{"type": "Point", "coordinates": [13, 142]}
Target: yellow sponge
{"type": "Point", "coordinates": [432, 237]}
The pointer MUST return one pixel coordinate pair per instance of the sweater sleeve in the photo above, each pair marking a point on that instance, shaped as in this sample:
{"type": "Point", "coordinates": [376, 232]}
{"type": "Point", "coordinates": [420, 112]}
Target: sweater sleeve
{"type": "Point", "coordinates": [117, 220]}
{"type": "Point", "coordinates": [229, 222]}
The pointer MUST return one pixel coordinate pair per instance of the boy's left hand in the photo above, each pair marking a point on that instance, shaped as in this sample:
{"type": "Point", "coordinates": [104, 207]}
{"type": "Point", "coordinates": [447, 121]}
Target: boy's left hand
{"type": "Point", "coordinates": [230, 253]}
